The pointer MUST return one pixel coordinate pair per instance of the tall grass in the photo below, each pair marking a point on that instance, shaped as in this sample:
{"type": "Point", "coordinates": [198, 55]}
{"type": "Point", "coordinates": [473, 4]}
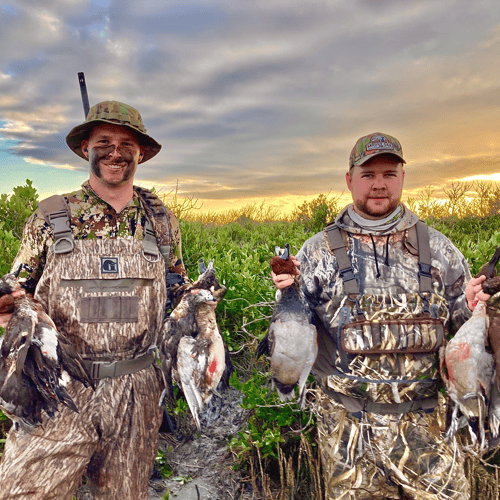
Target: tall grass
{"type": "Point", "coordinates": [241, 242]}
{"type": "Point", "coordinates": [462, 199]}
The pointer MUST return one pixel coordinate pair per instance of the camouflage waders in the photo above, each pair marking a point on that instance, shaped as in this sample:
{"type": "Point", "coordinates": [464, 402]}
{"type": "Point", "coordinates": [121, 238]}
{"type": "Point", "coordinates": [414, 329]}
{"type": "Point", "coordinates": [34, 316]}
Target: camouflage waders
{"type": "Point", "coordinates": [387, 456]}
{"type": "Point", "coordinates": [108, 298]}
{"type": "Point", "coordinates": [113, 440]}
{"type": "Point", "coordinates": [381, 429]}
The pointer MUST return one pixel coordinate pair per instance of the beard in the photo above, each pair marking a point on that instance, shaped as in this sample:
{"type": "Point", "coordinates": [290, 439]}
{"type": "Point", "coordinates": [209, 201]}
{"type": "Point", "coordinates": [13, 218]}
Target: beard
{"type": "Point", "coordinates": [381, 210]}
{"type": "Point", "coordinates": [100, 154]}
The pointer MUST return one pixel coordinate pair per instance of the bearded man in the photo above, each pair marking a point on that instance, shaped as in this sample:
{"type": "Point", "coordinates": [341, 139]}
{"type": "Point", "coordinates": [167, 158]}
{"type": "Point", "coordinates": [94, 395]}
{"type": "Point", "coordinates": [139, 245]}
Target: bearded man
{"type": "Point", "coordinates": [385, 292]}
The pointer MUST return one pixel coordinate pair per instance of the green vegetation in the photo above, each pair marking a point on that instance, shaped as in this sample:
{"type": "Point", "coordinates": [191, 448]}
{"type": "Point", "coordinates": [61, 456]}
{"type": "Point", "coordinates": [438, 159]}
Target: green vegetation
{"type": "Point", "coordinates": [14, 211]}
{"type": "Point", "coordinates": [279, 443]}
{"type": "Point", "coordinates": [162, 465]}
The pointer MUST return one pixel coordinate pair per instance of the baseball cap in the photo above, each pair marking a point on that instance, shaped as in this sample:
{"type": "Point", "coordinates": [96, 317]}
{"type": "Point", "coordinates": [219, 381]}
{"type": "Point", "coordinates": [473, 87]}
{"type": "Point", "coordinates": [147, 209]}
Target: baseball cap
{"type": "Point", "coordinates": [372, 145]}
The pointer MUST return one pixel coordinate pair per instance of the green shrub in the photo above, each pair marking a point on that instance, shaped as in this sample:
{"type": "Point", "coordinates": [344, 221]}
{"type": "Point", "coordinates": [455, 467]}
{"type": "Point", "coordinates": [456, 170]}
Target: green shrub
{"type": "Point", "coordinates": [476, 237]}
{"type": "Point", "coordinates": [16, 208]}
{"type": "Point", "coordinates": [9, 245]}
{"type": "Point", "coordinates": [14, 211]}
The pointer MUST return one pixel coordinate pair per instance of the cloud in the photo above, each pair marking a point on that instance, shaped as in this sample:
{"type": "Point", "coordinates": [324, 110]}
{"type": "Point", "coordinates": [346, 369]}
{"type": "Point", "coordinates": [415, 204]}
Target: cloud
{"type": "Point", "coordinates": [259, 98]}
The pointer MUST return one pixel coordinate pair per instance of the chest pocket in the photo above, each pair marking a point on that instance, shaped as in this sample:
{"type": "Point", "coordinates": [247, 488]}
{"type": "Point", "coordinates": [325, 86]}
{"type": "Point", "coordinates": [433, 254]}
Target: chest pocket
{"type": "Point", "coordinates": [399, 323]}
{"type": "Point", "coordinates": [109, 309]}
{"type": "Point", "coordinates": [103, 308]}
{"type": "Point", "coordinates": [422, 334]}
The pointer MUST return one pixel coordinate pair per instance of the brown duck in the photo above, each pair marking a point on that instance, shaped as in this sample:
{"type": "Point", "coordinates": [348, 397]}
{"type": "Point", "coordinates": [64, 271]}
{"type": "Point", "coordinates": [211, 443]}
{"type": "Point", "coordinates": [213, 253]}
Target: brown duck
{"type": "Point", "coordinates": [193, 351]}
{"type": "Point", "coordinates": [36, 362]}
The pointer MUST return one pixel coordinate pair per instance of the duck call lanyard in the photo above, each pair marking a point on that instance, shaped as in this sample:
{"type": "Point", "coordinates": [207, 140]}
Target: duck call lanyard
{"type": "Point", "coordinates": [418, 233]}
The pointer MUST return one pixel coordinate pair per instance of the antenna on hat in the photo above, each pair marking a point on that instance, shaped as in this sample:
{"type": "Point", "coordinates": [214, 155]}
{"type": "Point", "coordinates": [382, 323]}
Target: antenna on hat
{"type": "Point", "coordinates": [83, 90]}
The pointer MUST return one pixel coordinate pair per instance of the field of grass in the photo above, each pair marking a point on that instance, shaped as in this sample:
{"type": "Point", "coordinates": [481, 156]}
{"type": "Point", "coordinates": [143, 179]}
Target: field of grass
{"type": "Point", "coordinates": [241, 244]}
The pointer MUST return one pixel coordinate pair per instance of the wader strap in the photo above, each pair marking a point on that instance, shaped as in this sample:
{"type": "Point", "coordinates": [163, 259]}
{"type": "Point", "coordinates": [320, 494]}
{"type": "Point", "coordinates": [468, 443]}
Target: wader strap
{"type": "Point", "coordinates": [56, 213]}
{"type": "Point", "coordinates": [106, 369]}
{"type": "Point", "coordinates": [149, 244]}
{"type": "Point", "coordinates": [358, 405]}
{"type": "Point", "coordinates": [419, 233]}
{"type": "Point", "coordinates": [424, 257]}
{"type": "Point", "coordinates": [153, 202]}
{"type": "Point", "coordinates": [337, 242]}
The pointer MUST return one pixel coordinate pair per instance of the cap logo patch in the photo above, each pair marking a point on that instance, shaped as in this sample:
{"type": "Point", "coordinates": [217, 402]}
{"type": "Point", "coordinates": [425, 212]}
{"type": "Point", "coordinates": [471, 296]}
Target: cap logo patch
{"type": "Point", "coordinates": [379, 142]}
{"type": "Point", "coordinates": [109, 265]}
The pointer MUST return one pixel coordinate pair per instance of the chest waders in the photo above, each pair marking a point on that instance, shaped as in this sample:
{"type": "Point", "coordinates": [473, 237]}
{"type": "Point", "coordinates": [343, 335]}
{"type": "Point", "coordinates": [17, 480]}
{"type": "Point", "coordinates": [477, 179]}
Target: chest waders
{"type": "Point", "coordinates": [395, 328]}
{"type": "Point", "coordinates": [104, 293]}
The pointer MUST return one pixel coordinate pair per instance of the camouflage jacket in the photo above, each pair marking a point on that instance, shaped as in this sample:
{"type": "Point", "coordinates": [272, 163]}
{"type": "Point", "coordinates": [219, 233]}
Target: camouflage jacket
{"type": "Point", "coordinates": [91, 218]}
{"type": "Point", "coordinates": [386, 270]}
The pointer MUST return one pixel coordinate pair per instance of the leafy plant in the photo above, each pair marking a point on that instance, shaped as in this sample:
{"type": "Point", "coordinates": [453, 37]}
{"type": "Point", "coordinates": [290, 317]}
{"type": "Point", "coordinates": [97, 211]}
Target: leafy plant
{"type": "Point", "coordinates": [9, 246]}
{"type": "Point", "coordinates": [14, 211]}
{"type": "Point", "coordinates": [161, 464]}
{"type": "Point", "coordinates": [269, 421]}
{"type": "Point", "coordinates": [181, 406]}
{"type": "Point", "coordinates": [317, 213]}
{"type": "Point", "coordinates": [16, 208]}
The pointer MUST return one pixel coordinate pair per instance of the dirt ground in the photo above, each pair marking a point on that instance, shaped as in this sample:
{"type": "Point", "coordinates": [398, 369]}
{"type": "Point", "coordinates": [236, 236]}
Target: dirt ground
{"type": "Point", "coordinates": [201, 463]}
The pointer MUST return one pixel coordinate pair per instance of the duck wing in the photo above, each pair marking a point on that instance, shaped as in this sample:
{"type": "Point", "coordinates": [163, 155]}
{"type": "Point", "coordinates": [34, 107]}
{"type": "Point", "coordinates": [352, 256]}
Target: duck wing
{"type": "Point", "coordinates": [192, 358]}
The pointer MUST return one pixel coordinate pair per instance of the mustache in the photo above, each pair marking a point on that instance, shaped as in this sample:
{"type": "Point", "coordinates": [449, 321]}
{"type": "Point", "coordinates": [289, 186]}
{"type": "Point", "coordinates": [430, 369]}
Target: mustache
{"type": "Point", "coordinates": [102, 152]}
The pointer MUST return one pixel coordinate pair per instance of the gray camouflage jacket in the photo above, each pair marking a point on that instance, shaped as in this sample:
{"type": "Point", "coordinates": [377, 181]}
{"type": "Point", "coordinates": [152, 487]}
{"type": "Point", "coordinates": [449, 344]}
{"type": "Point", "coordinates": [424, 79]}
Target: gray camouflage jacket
{"type": "Point", "coordinates": [386, 267]}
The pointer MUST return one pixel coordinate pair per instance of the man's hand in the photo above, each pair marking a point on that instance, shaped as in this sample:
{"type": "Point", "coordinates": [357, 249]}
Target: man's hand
{"type": "Point", "coordinates": [283, 280]}
{"type": "Point", "coordinates": [474, 292]}
{"type": "Point", "coordinates": [7, 306]}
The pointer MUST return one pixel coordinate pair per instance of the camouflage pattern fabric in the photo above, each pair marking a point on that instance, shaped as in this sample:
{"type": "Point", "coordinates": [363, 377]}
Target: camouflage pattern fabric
{"type": "Point", "coordinates": [386, 269]}
{"type": "Point", "coordinates": [72, 283]}
{"type": "Point", "coordinates": [108, 297]}
{"type": "Point", "coordinates": [388, 456]}
{"type": "Point", "coordinates": [114, 440]}
{"type": "Point", "coordinates": [404, 351]}
{"type": "Point", "coordinates": [91, 218]}
{"type": "Point", "coordinates": [374, 144]}
{"type": "Point", "coordinates": [118, 113]}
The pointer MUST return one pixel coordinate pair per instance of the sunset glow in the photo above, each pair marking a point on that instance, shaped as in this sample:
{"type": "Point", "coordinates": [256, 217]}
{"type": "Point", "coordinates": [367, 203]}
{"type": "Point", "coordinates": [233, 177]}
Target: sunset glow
{"type": "Point", "coordinates": [254, 101]}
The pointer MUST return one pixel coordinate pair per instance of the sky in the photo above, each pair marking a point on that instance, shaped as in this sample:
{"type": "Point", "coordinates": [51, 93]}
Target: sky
{"type": "Point", "coordinates": [254, 100]}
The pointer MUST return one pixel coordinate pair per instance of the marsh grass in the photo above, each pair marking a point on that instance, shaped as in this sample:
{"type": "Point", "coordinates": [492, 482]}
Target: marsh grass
{"type": "Point", "coordinates": [279, 453]}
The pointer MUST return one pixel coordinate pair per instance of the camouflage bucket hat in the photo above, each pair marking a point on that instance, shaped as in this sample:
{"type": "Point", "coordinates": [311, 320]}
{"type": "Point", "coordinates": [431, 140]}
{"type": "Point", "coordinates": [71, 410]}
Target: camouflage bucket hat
{"type": "Point", "coordinates": [372, 145]}
{"type": "Point", "coordinates": [116, 113]}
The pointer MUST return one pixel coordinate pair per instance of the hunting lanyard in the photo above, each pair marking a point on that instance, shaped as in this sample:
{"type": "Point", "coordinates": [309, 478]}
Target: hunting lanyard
{"type": "Point", "coordinates": [417, 234]}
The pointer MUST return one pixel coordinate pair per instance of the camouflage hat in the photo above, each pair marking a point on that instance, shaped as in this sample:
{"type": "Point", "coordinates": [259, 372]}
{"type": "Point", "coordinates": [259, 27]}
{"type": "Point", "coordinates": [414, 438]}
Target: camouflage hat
{"type": "Point", "coordinates": [116, 113]}
{"type": "Point", "coordinates": [372, 145]}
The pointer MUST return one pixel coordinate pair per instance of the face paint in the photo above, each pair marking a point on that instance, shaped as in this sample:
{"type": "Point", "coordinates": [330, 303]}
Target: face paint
{"type": "Point", "coordinates": [99, 158]}
{"type": "Point", "coordinates": [113, 153]}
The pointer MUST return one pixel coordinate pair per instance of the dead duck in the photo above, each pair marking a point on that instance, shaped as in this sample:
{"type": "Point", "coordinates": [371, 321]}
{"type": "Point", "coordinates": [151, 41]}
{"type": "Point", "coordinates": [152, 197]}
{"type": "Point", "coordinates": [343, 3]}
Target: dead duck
{"type": "Point", "coordinates": [468, 369]}
{"type": "Point", "coordinates": [291, 341]}
{"type": "Point", "coordinates": [491, 286]}
{"type": "Point", "coordinates": [36, 362]}
{"type": "Point", "coordinates": [201, 361]}
{"type": "Point", "coordinates": [181, 323]}
{"type": "Point", "coordinates": [193, 352]}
